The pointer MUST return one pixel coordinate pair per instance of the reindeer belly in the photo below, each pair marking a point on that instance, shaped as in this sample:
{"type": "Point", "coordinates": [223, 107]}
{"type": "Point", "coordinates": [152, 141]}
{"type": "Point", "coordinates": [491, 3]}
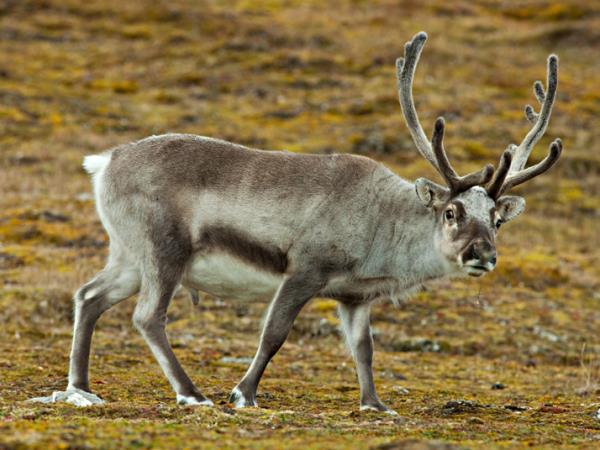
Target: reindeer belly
{"type": "Point", "coordinates": [224, 275]}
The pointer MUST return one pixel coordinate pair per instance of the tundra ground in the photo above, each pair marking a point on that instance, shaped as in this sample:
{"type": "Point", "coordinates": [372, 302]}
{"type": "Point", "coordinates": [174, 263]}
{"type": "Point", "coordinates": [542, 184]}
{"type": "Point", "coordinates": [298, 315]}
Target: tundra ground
{"type": "Point", "coordinates": [508, 361]}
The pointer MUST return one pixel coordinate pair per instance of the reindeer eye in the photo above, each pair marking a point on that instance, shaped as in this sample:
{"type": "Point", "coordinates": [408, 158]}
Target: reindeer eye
{"type": "Point", "coordinates": [449, 215]}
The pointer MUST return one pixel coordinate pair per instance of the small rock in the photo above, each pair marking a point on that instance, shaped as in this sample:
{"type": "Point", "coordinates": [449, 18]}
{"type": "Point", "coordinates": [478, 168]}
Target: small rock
{"type": "Point", "coordinates": [498, 386]}
{"type": "Point", "coordinates": [460, 406]}
{"type": "Point", "coordinates": [401, 390]}
{"type": "Point", "coordinates": [515, 408]}
{"type": "Point", "coordinates": [420, 345]}
{"type": "Point", "coordinates": [21, 159]}
{"type": "Point", "coordinates": [552, 409]}
{"type": "Point", "coordinates": [476, 421]}
{"type": "Point", "coordinates": [236, 360]}
{"type": "Point", "coordinates": [545, 334]}
{"type": "Point", "coordinates": [52, 217]}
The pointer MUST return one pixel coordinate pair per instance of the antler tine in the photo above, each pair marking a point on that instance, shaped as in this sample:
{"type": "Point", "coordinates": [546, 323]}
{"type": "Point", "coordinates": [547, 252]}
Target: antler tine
{"type": "Point", "coordinates": [540, 94]}
{"type": "Point", "coordinates": [531, 115]}
{"type": "Point", "coordinates": [538, 90]}
{"type": "Point", "coordinates": [455, 182]}
{"type": "Point", "coordinates": [443, 164]}
{"type": "Point", "coordinates": [495, 187]}
{"type": "Point", "coordinates": [476, 178]}
{"type": "Point", "coordinates": [533, 171]}
{"type": "Point", "coordinates": [405, 71]}
{"type": "Point", "coordinates": [539, 121]}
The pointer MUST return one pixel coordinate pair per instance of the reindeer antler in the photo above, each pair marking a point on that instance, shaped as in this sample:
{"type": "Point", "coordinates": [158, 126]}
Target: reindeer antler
{"type": "Point", "coordinates": [405, 71]}
{"type": "Point", "coordinates": [508, 182]}
{"type": "Point", "coordinates": [515, 174]}
{"type": "Point", "coordinates": [455, 182]}
{"type": "Point", "coordinates": [433, 152]}
{"type": "Point", "coordinates": [539, 121]}
{"type": "Point", "coordinates": [494, 190]}
{"type": "Point", "coordinates": [511, 170]}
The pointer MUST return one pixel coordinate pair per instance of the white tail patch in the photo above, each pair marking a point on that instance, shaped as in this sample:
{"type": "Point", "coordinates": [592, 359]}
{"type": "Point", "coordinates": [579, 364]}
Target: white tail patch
{"type": "Point", "coordinates": [95, 163]}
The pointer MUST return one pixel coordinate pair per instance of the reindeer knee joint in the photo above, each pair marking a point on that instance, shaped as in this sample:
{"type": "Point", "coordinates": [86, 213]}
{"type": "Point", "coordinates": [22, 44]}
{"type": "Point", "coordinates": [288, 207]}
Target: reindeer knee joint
{"type": "Point", "coordinates": [141, 322]}
{"type": "Point", "coordinates": [144, 321]}
{"type": "Point", "coordinates": [89, 292]}
{"type": "Point", "coordinates": [84, 296]}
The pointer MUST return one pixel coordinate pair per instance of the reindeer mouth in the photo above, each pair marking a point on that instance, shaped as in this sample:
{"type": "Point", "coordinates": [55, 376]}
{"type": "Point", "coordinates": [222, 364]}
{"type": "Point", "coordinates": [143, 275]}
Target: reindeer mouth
{"type": "Point", "coordinates": [477, 270]}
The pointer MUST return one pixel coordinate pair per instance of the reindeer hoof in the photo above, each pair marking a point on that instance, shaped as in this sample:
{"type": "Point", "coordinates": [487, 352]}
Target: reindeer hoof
{"type": "Point", "coordinates": [380, 407]}
{"type": "Point", "coordinates": [240, 400]}
{"type": "Point", "coordinates": [73, 396]}
{"type": "Point", "coordinates": [190, 400]}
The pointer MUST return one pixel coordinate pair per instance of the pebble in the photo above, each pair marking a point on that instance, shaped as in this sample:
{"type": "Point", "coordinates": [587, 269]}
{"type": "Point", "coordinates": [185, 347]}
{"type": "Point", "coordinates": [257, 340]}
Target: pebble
{"type": "Point", "coordinates": [236, 360]}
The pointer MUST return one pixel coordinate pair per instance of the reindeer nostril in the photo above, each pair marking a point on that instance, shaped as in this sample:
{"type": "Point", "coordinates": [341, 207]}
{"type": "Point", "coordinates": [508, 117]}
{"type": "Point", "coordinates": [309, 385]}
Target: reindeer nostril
{"type": "Point", "coordinates": [482, 253]}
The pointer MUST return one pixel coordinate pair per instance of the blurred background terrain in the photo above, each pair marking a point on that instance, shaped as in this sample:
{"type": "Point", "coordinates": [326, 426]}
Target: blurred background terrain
{"type": "Point", "coordinates": [511, 360]}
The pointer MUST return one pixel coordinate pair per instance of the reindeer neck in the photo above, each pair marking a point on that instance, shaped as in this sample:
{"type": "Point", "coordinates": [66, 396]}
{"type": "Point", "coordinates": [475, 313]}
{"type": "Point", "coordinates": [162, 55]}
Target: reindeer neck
{"type": "Point", "coordinates": [404, 245]}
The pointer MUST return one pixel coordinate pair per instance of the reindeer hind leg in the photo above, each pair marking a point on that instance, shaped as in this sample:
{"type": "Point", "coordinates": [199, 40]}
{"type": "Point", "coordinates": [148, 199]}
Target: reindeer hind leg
{"type": "Point", "coordinates": [115, 283]}
{"type": "Point", "coordinates": [160, 278]}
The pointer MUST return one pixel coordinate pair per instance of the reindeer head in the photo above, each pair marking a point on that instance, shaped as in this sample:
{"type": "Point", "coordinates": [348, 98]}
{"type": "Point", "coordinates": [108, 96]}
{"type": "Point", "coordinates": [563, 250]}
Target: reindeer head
{"type": "Point", "coordinates": [470, 209]}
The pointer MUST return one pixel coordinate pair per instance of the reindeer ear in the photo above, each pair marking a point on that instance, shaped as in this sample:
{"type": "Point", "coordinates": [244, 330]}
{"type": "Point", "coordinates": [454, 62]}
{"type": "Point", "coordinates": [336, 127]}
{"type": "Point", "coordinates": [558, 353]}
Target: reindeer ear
{"type": "Point", "coordinates": [509, 207]}
{"type": "Point", "coordinates": [430, 193]}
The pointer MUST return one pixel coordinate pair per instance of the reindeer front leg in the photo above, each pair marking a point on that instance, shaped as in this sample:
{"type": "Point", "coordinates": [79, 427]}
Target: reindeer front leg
{"type": "Point", "coordinates": [356, 325]}
{"type": "Point", "coordinates": [291, 296]}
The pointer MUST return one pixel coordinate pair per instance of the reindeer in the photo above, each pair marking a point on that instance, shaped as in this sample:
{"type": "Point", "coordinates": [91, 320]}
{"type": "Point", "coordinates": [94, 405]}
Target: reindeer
{"type": "Point", "coordinates": [235, 222]}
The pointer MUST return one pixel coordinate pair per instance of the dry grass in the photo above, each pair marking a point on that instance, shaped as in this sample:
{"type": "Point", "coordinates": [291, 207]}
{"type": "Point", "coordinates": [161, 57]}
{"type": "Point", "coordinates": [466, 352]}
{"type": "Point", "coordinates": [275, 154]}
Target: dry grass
{"type": "Point", "coordinates": [78, 77]}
